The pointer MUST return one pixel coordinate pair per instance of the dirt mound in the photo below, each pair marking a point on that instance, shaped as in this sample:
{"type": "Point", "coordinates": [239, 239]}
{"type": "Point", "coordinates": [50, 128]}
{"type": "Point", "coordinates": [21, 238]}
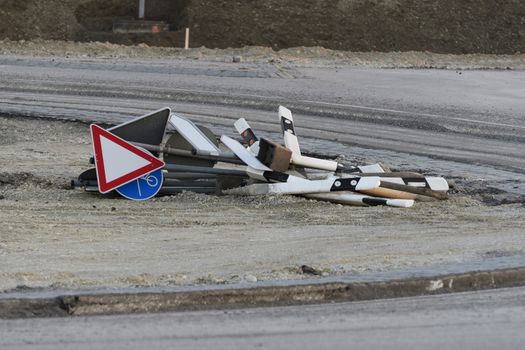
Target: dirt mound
{"type": "Point", "coordinates": [22, 179]}
{"type": "Point", "coordinates": [443, 26]}
{"type": "Point", "coordinates": [28, 19]}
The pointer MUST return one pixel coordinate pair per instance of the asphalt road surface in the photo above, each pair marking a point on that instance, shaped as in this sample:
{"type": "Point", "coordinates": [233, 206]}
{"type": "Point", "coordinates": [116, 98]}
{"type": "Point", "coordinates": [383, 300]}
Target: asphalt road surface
{"type": "Point", "coordinates": [481, 320]}
{"type": "Point", "coordinates": [473, 117]}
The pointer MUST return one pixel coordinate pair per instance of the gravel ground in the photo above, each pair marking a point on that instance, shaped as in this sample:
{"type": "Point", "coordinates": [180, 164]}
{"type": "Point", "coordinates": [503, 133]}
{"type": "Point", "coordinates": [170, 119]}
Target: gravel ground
{"type": "Point", "coordinates": [298, 56]}
{"type": "Point", "coordinates": [55, 237]}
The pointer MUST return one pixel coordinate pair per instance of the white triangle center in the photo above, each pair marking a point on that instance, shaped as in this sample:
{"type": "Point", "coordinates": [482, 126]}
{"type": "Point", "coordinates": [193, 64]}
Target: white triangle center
{"type": "Point", "coordinates": [119, 161]}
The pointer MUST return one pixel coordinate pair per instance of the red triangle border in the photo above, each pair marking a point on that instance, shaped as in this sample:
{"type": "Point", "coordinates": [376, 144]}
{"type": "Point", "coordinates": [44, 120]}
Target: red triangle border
{"type": "Point", "coordinates": [103, 185]}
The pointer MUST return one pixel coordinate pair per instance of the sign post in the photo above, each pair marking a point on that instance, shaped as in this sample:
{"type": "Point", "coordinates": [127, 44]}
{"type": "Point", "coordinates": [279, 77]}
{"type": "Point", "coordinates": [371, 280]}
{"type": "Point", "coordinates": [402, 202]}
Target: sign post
{"type": "Point", "coordinates": [142, 9]}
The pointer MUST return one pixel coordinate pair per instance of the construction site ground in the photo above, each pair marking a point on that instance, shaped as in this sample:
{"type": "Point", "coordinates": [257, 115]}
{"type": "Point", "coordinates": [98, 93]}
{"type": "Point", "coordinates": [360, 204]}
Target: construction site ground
{"type": "Point", "coordinates": [58, 238]}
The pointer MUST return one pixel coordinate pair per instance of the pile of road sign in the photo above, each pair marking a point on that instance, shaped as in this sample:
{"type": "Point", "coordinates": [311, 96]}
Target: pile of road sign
{"type": "Point", "coordinates": [141, 159]}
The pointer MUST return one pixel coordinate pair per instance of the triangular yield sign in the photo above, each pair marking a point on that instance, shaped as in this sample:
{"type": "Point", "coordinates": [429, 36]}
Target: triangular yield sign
{"type": "Point", "coordinates": [117, 161]}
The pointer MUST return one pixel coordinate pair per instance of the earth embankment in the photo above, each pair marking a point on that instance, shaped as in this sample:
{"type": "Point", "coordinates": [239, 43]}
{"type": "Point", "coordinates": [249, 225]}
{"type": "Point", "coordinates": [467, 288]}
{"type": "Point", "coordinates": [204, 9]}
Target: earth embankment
{"type": "Point", "coordinates": [443, 26]}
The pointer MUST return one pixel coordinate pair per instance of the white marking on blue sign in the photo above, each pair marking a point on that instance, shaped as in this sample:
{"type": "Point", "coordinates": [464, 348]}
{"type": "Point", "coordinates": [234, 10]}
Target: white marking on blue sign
{"type": "Point", "coordinates": [143, 188]}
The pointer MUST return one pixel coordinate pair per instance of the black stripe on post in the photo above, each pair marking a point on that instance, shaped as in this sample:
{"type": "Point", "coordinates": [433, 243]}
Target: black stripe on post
{"type": "Point", "coordinates": [287, 126]}
{"type": "Point", "coordinates": [348, 184]}
{"type": "Point", "coordinates": [374, 201]}
{"type": "Point", "coordinates": [249, 136]}
{"type": "Point", "coordinates": [275, 176]}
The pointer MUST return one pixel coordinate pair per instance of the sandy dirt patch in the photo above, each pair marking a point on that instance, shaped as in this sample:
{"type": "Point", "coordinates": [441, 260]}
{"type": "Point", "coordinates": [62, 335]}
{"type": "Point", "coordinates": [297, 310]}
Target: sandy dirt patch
{"type": "Point", "coordinates": [51, 236]}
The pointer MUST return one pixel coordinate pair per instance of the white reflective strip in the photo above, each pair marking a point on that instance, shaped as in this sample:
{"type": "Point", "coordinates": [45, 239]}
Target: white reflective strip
{"type": "Point", "coordinates": [254, 149]}
{"type": "Point", "coordinates": [294, 185]}
{"type": "Point", "coordinates": [193, 135]}
{"type": "Point", "coordinates": [298, 187]}
{"type": "Point", "coordinates": [314, 163]}
{"type": "Point", "coordinates": [401, 203]}
{"type": "Point", "coordinates": [357, 199]}
{"type": "Point", "coordinates": [374, 168]}
{"type": "Point", "coordinates": [243, 154]}
{"type": "Point", "coordinates": [241, 125]}
{"type": "Point", "coordinates": [290, 140]}
{"type": "Point", "coordinates": [368, 183]}
{"type": "Point", "coordinates": [437, 183]}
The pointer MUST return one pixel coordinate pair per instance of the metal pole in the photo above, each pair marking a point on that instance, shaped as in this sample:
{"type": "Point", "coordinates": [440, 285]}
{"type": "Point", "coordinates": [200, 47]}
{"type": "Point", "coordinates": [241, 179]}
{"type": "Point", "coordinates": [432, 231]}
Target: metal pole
{"type": "Point", "coordinates": [177, 190]}
{"type": "Point", "coordinates": [227, 157]}
{"type": "Point", "coordinates": [189, 183]}
{"type": "Point", "coordinates": [142, 8]}
{"type": "Point", "coordinates": [182, 176]}
{"type": "Point", "coordinates": [197, 169]}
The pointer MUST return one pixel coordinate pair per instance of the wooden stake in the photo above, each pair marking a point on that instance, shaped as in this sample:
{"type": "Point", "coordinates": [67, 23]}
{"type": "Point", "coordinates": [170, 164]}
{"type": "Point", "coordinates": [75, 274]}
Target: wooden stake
{"type": "Point", "coordinates": [187, 39]}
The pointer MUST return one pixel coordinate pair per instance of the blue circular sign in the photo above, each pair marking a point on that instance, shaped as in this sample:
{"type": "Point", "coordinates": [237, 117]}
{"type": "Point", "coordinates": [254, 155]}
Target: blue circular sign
{"type": "Point", "coordinates": [144, 187]}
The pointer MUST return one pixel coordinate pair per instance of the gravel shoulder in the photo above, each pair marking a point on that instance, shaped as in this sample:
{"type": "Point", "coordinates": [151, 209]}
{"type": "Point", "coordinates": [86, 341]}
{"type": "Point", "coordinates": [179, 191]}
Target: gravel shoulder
{"type": "Point", "coordinates": [54, 237]}
{"type": "Point", "coordinates": [301, 56]}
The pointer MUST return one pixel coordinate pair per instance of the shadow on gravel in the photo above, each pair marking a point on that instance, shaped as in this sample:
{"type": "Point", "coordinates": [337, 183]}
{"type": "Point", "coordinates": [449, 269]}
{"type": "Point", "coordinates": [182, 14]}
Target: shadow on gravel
{"type": "Point", "coordinates": [487, 195]}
